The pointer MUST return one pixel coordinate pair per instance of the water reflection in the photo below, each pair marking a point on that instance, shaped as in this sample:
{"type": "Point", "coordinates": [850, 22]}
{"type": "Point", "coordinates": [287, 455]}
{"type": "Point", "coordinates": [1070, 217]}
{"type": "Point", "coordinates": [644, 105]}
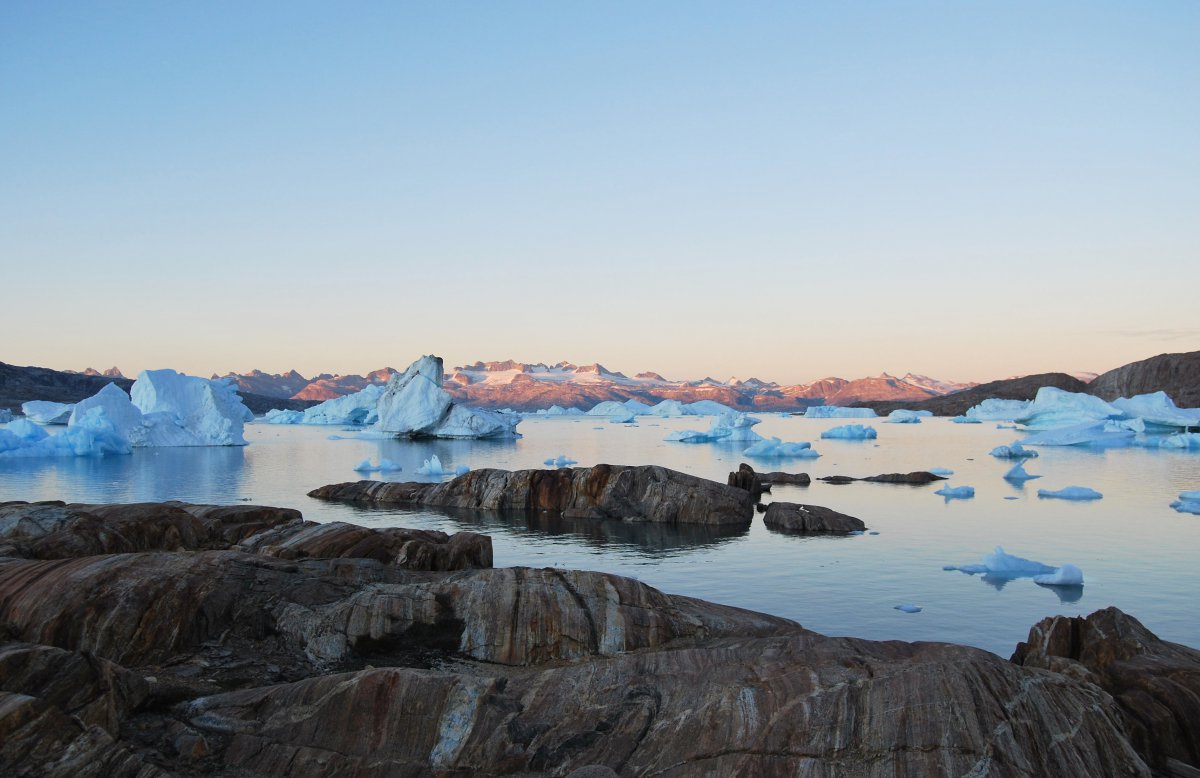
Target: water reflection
{"type": "Point", "coordinates": [1066, 594]}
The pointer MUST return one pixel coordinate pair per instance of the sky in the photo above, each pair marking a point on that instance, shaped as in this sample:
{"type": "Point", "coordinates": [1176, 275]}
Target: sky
{"type": "Point", "coordinates": [787, 190]}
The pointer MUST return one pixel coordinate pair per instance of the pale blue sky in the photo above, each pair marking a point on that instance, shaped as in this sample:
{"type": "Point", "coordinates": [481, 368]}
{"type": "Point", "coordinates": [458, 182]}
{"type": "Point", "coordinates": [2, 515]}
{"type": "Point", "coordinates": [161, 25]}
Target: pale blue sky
{"type": "Point", "coordinates": [969, 190]}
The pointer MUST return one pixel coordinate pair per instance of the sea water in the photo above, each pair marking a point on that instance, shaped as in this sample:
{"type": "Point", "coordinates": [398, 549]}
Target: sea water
{"type": "Point", "coordinates": [1135, 551]}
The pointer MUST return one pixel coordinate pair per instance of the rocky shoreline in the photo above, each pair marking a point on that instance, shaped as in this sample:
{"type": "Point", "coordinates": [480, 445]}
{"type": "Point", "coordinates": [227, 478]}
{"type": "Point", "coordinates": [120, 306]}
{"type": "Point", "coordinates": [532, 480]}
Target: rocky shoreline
{"type": "Point", "coordinates": [174, 639]}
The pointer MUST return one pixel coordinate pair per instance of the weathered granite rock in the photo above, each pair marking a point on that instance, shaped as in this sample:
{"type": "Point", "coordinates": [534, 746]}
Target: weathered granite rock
{"type": "Point", "coordinates": [793, 517]}
{"type": "Point", "coordinates": [642, 493]}
{"type": "Point", "coordinates": [916, 478]}
{"type": "Point", "coordinates": [413, 549]}
{"type": "Point", "coordinates": [1156, 683]}
{"type": "Point", "coordinates": [745, 478]}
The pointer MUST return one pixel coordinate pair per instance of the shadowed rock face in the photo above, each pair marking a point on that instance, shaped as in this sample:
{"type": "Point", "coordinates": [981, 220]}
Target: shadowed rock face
{"type": "Point", "coordinates": [1176, 374]}
{"type": "Point", "coordinates": [1156, 683]}
{"type": "Point", "coordinates": [793, 517]}
{"type": "Point", "coordinates": [916, 478]}
{"type": "Point", "coordinates": [643, 493]}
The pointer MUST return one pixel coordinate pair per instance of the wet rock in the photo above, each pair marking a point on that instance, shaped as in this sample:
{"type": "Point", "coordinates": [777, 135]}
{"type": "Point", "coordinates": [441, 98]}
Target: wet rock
{"type": "Point", "coordinates": [1156, 683]}
{"type": "Point", "coordinates": [793, 517]}
{"type": "Point", "coordinates": [640, 493]}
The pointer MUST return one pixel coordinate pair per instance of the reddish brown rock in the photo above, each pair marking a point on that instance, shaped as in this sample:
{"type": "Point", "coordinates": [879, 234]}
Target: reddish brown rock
{"type": "Point", "coordinates": [642, 493]}
{"type": "Point", "coordinates": [409, 548]}
{"type": "Point", "coordinates": [793, 517]}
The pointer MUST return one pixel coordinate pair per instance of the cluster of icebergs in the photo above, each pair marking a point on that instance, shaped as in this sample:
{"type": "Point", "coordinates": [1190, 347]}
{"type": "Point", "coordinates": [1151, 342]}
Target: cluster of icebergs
{"type": "Point", "coordinates": [729, 427]}
{"type": "Point", "coordinates": [413, 404]}
{"type": "Point", "coordinates": [164, 408]}
{"type": "Point", "coordinates": [837, 412]}
{"type": "Point", "coordinates": [628, 411]}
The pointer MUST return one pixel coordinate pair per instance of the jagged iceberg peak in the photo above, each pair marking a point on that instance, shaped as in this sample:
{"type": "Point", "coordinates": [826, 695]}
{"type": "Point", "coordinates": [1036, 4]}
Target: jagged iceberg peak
{"type": "Point", "coordinates": [414, 404]}
{"type": "Point", "coordinates": [205, 412]}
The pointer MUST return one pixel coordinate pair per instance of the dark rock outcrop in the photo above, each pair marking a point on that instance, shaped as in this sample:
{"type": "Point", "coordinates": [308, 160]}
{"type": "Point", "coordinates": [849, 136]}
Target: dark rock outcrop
{"type": "Point", "coordinates": [793, 517]}
{"type": "Point", "coordinates": [791, 479]}
{"type": "Point", "coordinates": [1176, 374]}
{"type": "Point", "coordinates": [1156, 683]}
{"type": "Point", "coordinates": [957, 403]}
{"type": "Point", "coordinates": [745, 478]}
{"type": "Point", "coordinates": [915, 478]}
{"type": "Point", "coordinates": [640, 493]}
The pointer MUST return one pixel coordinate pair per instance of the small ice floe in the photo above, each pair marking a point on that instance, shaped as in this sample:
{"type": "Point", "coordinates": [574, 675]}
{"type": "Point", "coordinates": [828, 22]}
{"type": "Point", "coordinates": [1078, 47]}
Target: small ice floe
{"type": "Point", "coordinates": [902, 416]}
{"type": "Point", "coordinates": [560, 461]}
{"type": "Point", "coordinates": [776, 449]}
{"type": "Point", "coordinates": [956, 492]}
{"type": "Point", "coordinates": [1017, 474]}
{"type": "Point", "coordinates": [945, 472]}
{"type": "Point", "coordinates": [850, 432]}
{"type": "Point", "coordinates": [1070, 493]}
{"type": "Point", "coordinates": [1015, 451]}
{"type": "Point", "coordinates": [731, 427]}
{"type": "Point", "coordinates": [964, 420]}
{"type": "Point", "coordinates": [432, 466]}
{"type": "Point", "coordinates": [1188, 502]}
{"type": "Point", "coordinates": [388, 466]}
{"type": "Point", "coordinates": [908, 607]}
{"type": "Point", "coordinates": [999, 565]}
{"type": "Point", "coordinates": [365, 466]}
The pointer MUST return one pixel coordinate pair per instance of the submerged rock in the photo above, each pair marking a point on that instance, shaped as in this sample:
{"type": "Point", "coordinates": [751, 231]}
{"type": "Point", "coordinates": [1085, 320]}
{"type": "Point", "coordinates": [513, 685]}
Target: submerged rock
{"type": "Point", "coordinates": [793, 517]}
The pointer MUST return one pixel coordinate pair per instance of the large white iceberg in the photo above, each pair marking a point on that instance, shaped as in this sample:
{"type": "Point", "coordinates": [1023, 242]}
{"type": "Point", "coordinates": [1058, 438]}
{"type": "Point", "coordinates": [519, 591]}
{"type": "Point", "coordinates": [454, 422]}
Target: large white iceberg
{"type": "Point", "coordinates": [625, 416]}
{"type": "Point", "coordinates": [1070, 493]}
{"type": "Point", "coordinates": [998, 564]}
{"type": "Point", "coordinates": [183, 410]}
{"type": "Point", "coordinates": [668, 409]}
{"type": "Point", "coordinates": [414, 404]}
{"type": "Point", "coordinates": [609, 408]}
{"type": "Point", "coordinates": [1158, 412]}
{"type": "Point", "coordinates": [1053, 407]}
{"type": "Point", "coordinates": [850, 432]}
{"type": "Point", "coordinates": [994, 409]}
{"type": "Point", "coordinates": [23, 438]}
{"type": "Point", "coordinates": [637, 407]}
{"type": "Point", "coordinates": [728, 427]}
{"type": "Point", "coordinates": [837, 412]}
{"type": "Point", "coordinates": [46, 412]}
{"type": "Point", "coordinates": [905, 416]}
{"type": "Point", "coordinates": [776, 449]}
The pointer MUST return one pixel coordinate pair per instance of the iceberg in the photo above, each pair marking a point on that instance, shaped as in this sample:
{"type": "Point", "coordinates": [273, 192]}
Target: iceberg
{"type": "Point", "coordinates": [942, 471]}
{"type": "Point", "coordinates": [626, 416]}
{"type": "Point", "coordinates": [560, 461]}
{"type": "Point", "coordinates": [1105, 434]}
{"type": "Point", "coordinates": [1183, 440]}
{"type": "Point", "coordinates": [837, 412]}
{"type": "Point", "coordinates": [432, 466]}
{"type": "Point", "coordinates": [357, 408]}
{"type": "Point", "coordinates": [415, 405]}
{"type": "Point", "coordinates": [277, 416]}
{"type": "Point", "coordinates": [1015, 451]}
{"type": "Point", "coordinates": [1017, 473]}
{"type": "Point", "coordinates": [1052, 408]}
{"type": "Point", "coordinates": [558, 410]}
{"type": "Point", "coordinates": [1158, 412]}
{"type": "Point", "coordinates": [388, 466]}
{"type": "Point", "coordinates": [667, 409]}
{"type": "Point", "coordinates": [956, 492]}
{"type": "Point", "coordinates": [184, 410]}
{"type": "Point", "coordinates": [998, 564]}
{"type": "Point", "coordinates": [1188, 502]}
{"type": "Point", "coordinates": [733, 427]}
{"type": "Point", "coordinates": [993, 409]}
{"type": "Point", "coordinates": [636, 407]}
{"type": "Point", "coordinates": [776, 449]}
{"type": "Point", "coordinates": [850, 432]}
{"type": "Point", "coordinates": [908, 608]}
{"type": "Point", "coordinates": [903, 416]}
{"type": "Point", "coordinates": [365, 466]}
{"type": "Point", "coordinates": [964, 420]}
{"type": "Point", "coordinates": [1070, 493]}
{"type": "Point", "coordinates": [706, 408]}
{"type": "Point", "coordinates": [609, 408]}
{"type": "Point", "coordinates": [46, 412]}
{"type": "Point", "coordinates": [94, 436]}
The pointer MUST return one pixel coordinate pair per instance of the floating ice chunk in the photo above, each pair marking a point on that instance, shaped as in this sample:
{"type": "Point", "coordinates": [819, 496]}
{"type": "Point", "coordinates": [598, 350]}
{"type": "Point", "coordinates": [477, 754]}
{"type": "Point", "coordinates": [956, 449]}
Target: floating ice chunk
{"type": "Point", "coordinates": [609, 408]}
{"type": "Point", "coordinates": [365, 466]}
{"type": "Point", "coordinates": [731, 426]}
{"type": "Point", "coordinates": [184, 410]}
{"type": "Point", "coordinates": [964, 420]}
{"type": "Point", "coordinates": [1067, 575]}
{"type": "Point", "coordinates": [776, 449]}
{"type": "Point", "coordinates": [388, 466]}
{"type": "Point", "coordinates": [1017, 473]}
{"type": "Point", "coordinates": [994, 409]}
{"type": "Point", "coordinates": [1053, 408]}
{"type": "Point", "coordinates": [942, 471]}
{"type": "Point", "coordinates": [1070, 493]}
{"type": "Point", "coordinates": [625, 416]}
{"type": "Point", "coordinates": [1183, 440]}
{"type": "Point", "coordinates": [837, 412]}
{"type": "Point", "coordinates": [95, 435]}
{"type": "Point", "coordinates": [560, 461]}
{"type": "Point", "coordinates": [1158, 412]}
{"type": "Point", "coordinates": [904, 416]}
{"type": "Point", "coordinates": [707, 408]}
{"type": "Point", "coordinates": [45, 412]}
{"type": "Point", "coordinates": [1105, 434]}
{"type": "Point", "coordinates": [667, 409]}
{"type": "Point", "coordinates": [956, 492]}
{"type": "Point", "coordinates": [279, 416]}
{"type": "Point", "coordinates": [1188, 502]}
{"type": "Point", "coordinates": [462, 470]}
{"type": "Point", "coordinates": [850, 432]}
{"type": "Point", "coordinates": [998, 564]}
{"type": "Point", "coordinates": [355, 408]}
{"type": "Point", "coordinates": [1015, 451]}
{"type": "Point", "coordinates": [909, 608]}
{"type": "Point", "coordinates": [432, 466]}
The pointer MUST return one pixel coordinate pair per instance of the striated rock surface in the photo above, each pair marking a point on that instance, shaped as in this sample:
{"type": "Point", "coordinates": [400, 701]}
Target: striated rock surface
{"type": "Point", "coordinates": [793, 517]}
{"type": "Point", "coordinates": [1176, 374]}
{"type": "Point", "coordinates": [1156, 683]}
{"type": "Point", "coordinates": [640, 493]}
{"type": "Point", "coordinates": [746, 479]}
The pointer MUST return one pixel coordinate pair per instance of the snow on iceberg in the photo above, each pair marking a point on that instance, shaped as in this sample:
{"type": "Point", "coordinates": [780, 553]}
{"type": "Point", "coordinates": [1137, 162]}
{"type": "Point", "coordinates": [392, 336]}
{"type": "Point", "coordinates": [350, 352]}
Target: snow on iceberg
{"type": "Point", "coordinates": [1070, 493]}
{"type": "Point", "coordinates": [776, 449]}
{"type": "Point", "coordinates": [904, 416]}
{"type": "Point", "coordinates": [837, 412]}
{"type": "Point", "coordinates": [733, 427]}
{"type": "Point", "coordinates": [414, 404]}
{"type": "Point", "coordinates": [1017, 474]}
{"type": "Point", "coordinates": [998, 564]}
{"type": "Point", "coordinates": [850, 432]}
{"type": "Point", "coordinates": [1104, 434]}
{"type": "Point", "coordinates": [1188, 502]}
{"type": "Point", "coordinates": [1158, 412]}
{"type": "Point", "coordinates": [1015, 451]}
{"type": "Point", "coordinates": [46, 412]}
{"type": "Point", "coordinates": [1052, 408]}
{"type": "Point", "coordinates": [956, 492]}
{"type": "Point", "coordinates": [356, 408]}
{"type": "Point", "coordinates": [994, 409]}
{"type": "Point", "coordinates": [562, 460]}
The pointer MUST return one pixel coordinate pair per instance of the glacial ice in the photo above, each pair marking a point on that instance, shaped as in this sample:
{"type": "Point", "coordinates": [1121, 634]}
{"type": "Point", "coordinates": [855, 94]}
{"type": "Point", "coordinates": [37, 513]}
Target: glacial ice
{"type": "Point", "coordinates": [352, 409]}
{"type": "Point", "coordinates": [850, 432]}
{"type": "Point", "coordinates": [707, 408]}
{"type": "Point", "coordinates": [837, 412]}
{"type": "Point", "coordinates": [365, 466]}
{"type": "Point", "coordinates": [414, 404]}
{"type": "Point", "coordinates": [956, 492]}
{"type": "Point", "coordinates": [728, 427]}
{"type": "Point", "coordinates": [1158, 411]}
{"type": "Point", "coordinates": [942, 471]}
{"type": "Point", "coordinates": [1017, 473]}
{"type": "Point", "coordinates": [667, 409]}
{"type": "Point", "coordinates": [461, 470]}
{"type": "Point", "coordinates": [388, 466]}
{"type": "Point", "coordinates": [278, 416]}
{"type": "Point", "coordinates": [964, 420]}
{"type": "Point", "coordinates": [905, 416]}
{"type": "Point", "coordinates": [1188, 502]}
{"type": "Point", "coordinates": [1015, 451]}
{"type": "Point", "coordinates": [1182, 440]}
{"type": "Point", "coordinates": [558, 410]}
{"type": "Point", "coordinates": [609, 408]}
{"type": "Point", "coordinates": [908, 607]}
{"type": "Point", "coordinates": [636, 407]}
{"type": "Point", "coordinates": [998, 564]}
{"type": "Point", "coordinates": [96, 437]}
{"type": "Point", "coordinates": [562, 460]}
{"type": "Point", "coordinates": [776, 449]}
{"type": "Point", "coordinates": [46, 412]}
{"type": "Point", "coordinates": [184, 410]}
{"type": "Point", "coordinates": [5, 416]}
{"type": "Point", "coordinates": [1070, 493]}
{"type": "Point", "coordinates": [1105, 434]}
{"type": "Point", "coordinates": [1052, 408]}
{"type": "Point", "coordinates": [994, 409]}
{"type": "Point", "coordinates": [624, 416]}
{"type": "Point", "coordinates": [432, 466]}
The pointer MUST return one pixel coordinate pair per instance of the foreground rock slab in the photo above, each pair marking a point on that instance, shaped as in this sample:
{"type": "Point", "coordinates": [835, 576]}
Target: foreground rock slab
{"type": "Point", "coordinates": [638, 493]}
{"type": "Point", "coordinates": [795, 518]}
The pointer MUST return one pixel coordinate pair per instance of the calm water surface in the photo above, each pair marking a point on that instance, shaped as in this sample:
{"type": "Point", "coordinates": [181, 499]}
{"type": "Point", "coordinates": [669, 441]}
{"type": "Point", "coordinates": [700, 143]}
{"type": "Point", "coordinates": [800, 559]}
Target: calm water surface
{"type": "Point", "coordinates": [1136, 553]}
